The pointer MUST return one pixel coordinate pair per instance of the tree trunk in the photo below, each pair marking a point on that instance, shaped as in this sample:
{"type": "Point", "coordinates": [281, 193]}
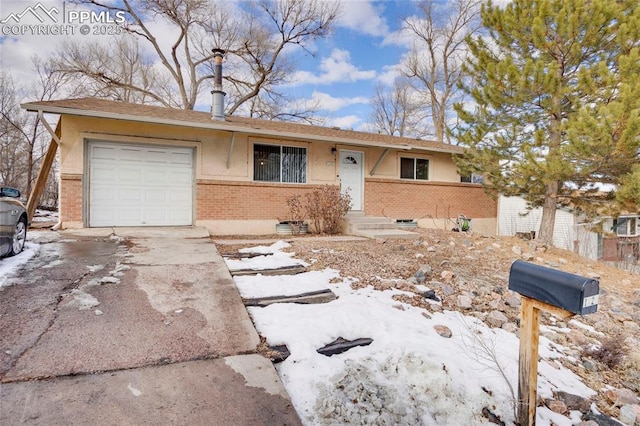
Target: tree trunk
{"type": "Point", "coordinates": [545, 234]}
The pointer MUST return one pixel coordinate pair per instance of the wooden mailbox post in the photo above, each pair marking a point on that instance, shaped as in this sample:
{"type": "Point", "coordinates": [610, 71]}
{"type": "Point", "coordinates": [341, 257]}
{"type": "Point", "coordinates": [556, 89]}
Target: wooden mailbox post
{"type": "Point", "coordinates": [549, 290]}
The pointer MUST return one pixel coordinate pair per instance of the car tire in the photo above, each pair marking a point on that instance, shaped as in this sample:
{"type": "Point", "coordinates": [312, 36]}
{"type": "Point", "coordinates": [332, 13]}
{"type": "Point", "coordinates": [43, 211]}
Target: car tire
{"type": "Point", "coordinates": [19, 237]}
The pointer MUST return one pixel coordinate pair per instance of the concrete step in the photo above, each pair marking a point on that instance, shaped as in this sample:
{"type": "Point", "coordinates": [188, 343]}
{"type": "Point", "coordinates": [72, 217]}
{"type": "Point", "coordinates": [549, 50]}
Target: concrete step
{"type": "Point", "coordinates": [361, 222]}
{"type": "Point", "coordinates": [387, 234]}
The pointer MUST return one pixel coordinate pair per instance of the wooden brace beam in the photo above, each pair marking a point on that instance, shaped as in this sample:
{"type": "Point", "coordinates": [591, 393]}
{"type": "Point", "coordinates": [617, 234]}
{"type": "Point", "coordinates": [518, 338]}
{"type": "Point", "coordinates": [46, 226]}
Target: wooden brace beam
{"type": "Point", "coordinates": [45, 169]}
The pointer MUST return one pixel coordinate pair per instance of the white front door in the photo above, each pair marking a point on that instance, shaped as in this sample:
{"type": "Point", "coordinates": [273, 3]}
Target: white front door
{"type": "Point", "coordinates": [140, 185]}
{"type": "Point", "coordinates": [351, 177]}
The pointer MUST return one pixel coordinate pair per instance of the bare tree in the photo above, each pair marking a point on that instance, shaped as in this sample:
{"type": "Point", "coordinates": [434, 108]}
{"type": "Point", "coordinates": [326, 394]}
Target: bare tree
{"type": "Point", "coordinates": [23, 138]}
{"type": "Point", "coordinates": [396, 111]}
{"type": "Point", "coordinates": [257, 36]}
{"type": "Point", "coordinates": [119, 72]}
{"type": "Point", "coordinates": [434, 63]}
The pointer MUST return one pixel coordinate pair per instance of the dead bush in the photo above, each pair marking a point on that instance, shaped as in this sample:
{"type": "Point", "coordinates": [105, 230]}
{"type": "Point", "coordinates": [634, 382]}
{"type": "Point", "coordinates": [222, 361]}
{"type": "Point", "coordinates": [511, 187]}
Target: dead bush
{"type": "Point", "coordinates": [326, 206]}
{"type": "Point", "coordinates": [611, 351]}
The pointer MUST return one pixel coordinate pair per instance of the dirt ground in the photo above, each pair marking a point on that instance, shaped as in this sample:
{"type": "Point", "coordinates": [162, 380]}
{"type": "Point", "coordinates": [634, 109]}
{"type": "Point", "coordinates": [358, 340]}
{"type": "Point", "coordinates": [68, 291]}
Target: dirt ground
{"type": "Point", "coordinates": [476, 266]}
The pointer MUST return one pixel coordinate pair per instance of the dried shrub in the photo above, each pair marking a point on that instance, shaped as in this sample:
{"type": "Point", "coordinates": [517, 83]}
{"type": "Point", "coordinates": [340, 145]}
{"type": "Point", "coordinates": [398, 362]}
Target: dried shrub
{"type": "Point", "coordinates": [296, 213]}
{"type": "Point", "coordinates": [296, 210]}
{"type": "Point", "coordinates": [611, 352]}
{"type": "Point", "coordinates": [326, 206]}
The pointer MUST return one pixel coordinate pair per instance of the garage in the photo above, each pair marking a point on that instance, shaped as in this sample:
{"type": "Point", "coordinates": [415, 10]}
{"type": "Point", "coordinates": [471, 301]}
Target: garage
{"type": "Point", "coordinates": [139, 185]}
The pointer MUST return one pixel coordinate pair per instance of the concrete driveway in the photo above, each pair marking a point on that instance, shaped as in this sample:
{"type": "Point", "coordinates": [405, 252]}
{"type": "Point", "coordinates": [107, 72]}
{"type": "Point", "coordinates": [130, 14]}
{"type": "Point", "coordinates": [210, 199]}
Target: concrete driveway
{"type": "Point", "coordinates": [132, 326]}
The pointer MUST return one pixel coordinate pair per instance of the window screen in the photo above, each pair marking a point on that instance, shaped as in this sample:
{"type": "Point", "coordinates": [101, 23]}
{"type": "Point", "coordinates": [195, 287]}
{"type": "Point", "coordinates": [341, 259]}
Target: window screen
{"type": "Point", "coordinates": [272, 163]}
{"type": "Point", "coordinates": [414, 168]}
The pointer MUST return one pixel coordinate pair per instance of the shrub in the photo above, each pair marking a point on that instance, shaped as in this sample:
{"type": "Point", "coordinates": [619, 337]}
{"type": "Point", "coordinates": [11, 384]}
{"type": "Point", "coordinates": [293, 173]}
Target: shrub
{"type": "Point", "coordinates": [326, 206]}
{"type": "Point", "coordinates": [611, 352]}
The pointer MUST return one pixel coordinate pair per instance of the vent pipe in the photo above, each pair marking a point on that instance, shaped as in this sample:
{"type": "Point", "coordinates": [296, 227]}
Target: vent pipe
{"type": "Point", "coordinates": [217, 107]}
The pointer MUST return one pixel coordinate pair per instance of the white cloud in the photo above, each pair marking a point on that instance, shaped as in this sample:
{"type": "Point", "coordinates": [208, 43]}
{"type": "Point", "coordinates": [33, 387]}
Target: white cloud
{"type": "Point", "coordinates": [337, 68]}
{"type": "Point", "coordinates": [346, 122]}
{"type": "Point", "coordinates": [362, 16]}
{"type": "Point", "coordinates": [329, 103]}
{"type": "Point", "coordinates": [389, 74]}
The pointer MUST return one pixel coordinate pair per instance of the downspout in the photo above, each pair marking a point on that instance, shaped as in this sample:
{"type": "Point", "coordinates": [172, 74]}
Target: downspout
{"type": "Point", "coordinates": [58, 141]}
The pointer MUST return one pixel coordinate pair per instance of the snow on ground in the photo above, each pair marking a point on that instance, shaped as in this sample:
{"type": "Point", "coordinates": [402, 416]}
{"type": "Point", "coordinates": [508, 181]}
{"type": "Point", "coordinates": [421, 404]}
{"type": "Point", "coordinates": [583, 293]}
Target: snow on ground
{"type": "Point", "coordinates": [409, 374]}
{"type": "Point", "coordinates": [272, 258]}
{"type": "Point", "coordinates": [256, 286]}
{"type": "Point", "coordinates": [45, 216]}
{"type": "Point", "coordinates": [10, 265]}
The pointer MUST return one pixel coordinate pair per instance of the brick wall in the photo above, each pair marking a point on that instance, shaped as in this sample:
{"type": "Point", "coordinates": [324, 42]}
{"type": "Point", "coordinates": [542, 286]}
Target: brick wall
{"type": "Point", "coordinates": [71, 198]}
{"type": "Point", "coordinates": [412, 200]}
{"type": "Point", "coordinates": [227, 200]}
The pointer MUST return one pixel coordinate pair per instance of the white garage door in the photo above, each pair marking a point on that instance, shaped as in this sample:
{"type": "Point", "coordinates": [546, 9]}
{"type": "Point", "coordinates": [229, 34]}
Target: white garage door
{"type": "Point", "coordinates": [131, 185]}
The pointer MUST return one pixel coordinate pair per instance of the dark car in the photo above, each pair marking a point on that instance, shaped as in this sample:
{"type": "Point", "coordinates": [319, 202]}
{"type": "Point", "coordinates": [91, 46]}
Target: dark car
{"type": "Point", "coordinates": [13, 222]}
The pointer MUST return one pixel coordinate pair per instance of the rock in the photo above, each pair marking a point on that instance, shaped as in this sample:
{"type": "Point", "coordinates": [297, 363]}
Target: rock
{"type": "Point", "coordinates": [435, 307]}
{"type": "Point", "coordinates": [431, 249]}
{"type": "Point", "coordinates": [574, 402]}
{"type": "Point", "coordinates": [431, 294]}
{"type": "Point", "coordinates": [627, 415]}
{"type": "Point", "coordinates": [465, 302]}
{"type": "Point", "coordinates": [426, 315]}
{"type": "Point", "coordinates": [425, 269]}
{"type": "Point", "coordinates": [496, 319]}
{"type": "Point", "coordinates": [98, 312]}
{"type": "Point", "coordinates": [589, 365]}
{"type": "Point", "coordinates": [588, 423]}
{"type": "Point", "coordinates": [419, 277]}
{"type": "Point", "coordinates": [496, 245]}
{"type": "Point", "coordinates": [443, 331]}
{"type": "Point", "coordinates": [341, 345]}
{"type": "Point", "coordinates": [621, 397]}
{"type": "Point", "coordinates": [562, 261]}
{"type": "Point", "coordinates": [528, 256]}
{"type": "Point", "coordinates": [601, 419]}
{"type": "Point", "coordinates": [556, 406]}
{"type": "Point", "coordinates": [594, 275]}
{"type": "Point", "coordinates": [512, 300]}
{"type": "Point", "coordinates": [447, 276]}
{"type": "Point", "coordinates": [510, 327]}
{"type": "Point", "coordinates": [517, 250]}
{"type": "Point", "coordinates": [631, 326]}
{"type": "Point", "coordinates": [491, 417]}
{"type": "Point", "coordinates": [552, 264]}
{"type": "Point", "coordinates": [447, 290]}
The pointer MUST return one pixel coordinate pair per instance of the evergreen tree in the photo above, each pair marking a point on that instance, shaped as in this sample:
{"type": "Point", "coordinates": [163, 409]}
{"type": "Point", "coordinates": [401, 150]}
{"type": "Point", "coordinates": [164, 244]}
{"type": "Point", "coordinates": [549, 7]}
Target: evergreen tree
{"type": "Point", "coordinates": [556, 85]}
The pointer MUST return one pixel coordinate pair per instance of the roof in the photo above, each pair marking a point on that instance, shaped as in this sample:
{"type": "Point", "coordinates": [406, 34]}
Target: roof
{"type": "Point", "coordinates": [103, 108]}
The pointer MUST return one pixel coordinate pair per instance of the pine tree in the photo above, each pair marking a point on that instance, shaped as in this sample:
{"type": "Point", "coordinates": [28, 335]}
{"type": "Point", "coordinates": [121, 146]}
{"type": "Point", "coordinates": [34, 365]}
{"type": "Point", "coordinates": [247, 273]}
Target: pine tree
{"type": "Point", "coordinates": [557, 100]}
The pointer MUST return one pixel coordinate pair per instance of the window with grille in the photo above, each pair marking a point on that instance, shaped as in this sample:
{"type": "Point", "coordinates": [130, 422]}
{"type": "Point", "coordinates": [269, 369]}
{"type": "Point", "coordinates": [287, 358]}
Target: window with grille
{"type": "Point", "coordinates": [414, 168]}
{"type": "Point", "coordinates": [275, 163]}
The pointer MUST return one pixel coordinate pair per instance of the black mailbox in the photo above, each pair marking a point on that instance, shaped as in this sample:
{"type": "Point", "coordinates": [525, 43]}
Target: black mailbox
{"type": "Point", "coordinates": [567, 291]}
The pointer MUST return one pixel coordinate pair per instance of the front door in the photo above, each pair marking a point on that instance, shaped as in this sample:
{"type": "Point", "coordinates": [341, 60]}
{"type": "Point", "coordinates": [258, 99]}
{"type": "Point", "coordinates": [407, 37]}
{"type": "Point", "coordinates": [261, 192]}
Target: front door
{"type": "Point", "coordinates": [351, 177]}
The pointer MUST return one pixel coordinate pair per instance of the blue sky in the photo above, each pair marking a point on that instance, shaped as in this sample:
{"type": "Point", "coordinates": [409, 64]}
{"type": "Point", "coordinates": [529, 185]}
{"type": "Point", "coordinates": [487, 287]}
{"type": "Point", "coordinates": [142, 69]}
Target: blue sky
{"type": "Point", "coordinates": [363, 51]}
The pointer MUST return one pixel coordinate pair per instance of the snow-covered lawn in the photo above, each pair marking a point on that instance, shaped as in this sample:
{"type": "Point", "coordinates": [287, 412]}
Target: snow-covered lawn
{"type": "Point", "coordinates": [410, 374]}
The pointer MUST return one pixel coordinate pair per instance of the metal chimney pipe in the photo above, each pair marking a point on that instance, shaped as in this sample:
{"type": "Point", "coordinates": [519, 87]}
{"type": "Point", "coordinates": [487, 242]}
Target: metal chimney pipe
{"type": "Point", "coordinates": [217, 106]}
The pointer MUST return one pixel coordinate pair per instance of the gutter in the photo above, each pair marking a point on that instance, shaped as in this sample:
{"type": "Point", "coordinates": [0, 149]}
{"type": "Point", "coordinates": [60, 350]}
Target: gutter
{"type": "Point", "coordinates": [220, 125]}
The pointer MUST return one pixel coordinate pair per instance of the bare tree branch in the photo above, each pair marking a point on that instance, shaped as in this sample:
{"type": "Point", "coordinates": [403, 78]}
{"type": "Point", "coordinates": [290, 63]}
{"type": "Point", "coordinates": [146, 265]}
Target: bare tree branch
{"type": "Point", "coordinates": [434, 64]}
